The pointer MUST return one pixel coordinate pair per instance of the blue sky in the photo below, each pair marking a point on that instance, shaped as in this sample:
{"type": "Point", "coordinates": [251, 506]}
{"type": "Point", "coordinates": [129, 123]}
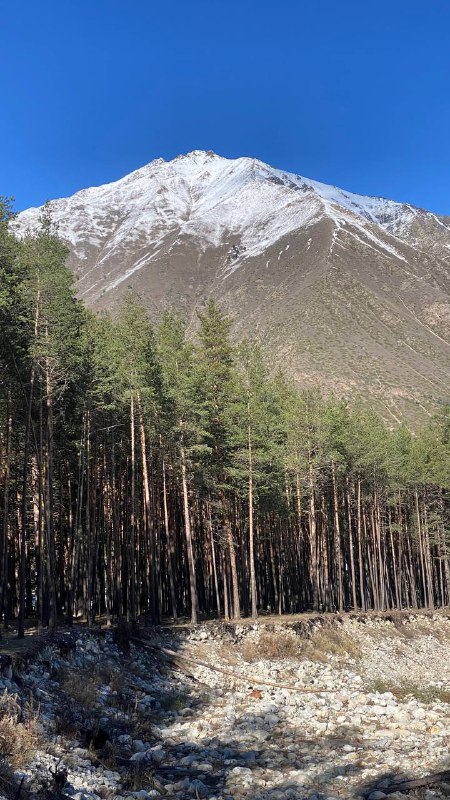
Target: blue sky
{"type": "Point", "coordinates": [351, 93]}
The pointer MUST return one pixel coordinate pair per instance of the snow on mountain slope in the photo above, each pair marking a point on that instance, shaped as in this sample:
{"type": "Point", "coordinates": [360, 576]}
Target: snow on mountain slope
{"type": "Point", "coordinates": [208, 197]}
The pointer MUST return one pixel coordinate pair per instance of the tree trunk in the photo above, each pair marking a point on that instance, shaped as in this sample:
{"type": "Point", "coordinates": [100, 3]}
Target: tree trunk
{"type": "Point", "coordinates": [337, 541]}
{"type": "Point", "coordinates": [250, 524]}
{"type": "Point", "coordinates": [188, 534]}
{"type": "Point", "coordinates": [170, 547]}
{"type": "Point", "coordinates": [5, 525]}
{"type": "Point", "coordinates": [132, 541]}
{"type": "Point", "coordinates": [232, 558]}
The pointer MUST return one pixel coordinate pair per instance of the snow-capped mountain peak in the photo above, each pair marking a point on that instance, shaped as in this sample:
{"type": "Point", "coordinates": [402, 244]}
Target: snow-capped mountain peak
{"type": "Point", "coordinates": [345, 289]}
{"type": "Point", "coordinates": [209, 197]}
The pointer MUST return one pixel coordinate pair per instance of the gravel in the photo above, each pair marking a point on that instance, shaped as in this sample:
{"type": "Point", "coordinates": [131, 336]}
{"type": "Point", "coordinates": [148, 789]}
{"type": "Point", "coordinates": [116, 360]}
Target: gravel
{"type": "Point", "coordinates": [211, 735]}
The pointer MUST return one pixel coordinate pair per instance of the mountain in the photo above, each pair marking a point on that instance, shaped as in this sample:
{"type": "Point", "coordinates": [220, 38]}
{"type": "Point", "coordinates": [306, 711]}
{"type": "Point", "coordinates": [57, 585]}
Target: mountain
{"type": "Point", "coordinates": [345, 291]}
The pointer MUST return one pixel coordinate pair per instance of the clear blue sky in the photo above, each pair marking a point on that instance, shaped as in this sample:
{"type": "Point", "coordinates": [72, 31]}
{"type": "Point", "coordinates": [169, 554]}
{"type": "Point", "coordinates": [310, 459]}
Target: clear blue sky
{"type": "Point", "coordinates": [350, 92]}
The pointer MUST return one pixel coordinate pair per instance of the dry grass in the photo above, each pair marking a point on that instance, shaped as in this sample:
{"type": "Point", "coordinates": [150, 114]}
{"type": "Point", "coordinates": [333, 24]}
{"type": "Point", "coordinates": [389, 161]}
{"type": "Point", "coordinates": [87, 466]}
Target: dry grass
{"type": "Point", "coordinates": [330, 643]}
{"type": "Point", "coordinates": [18, 737]}
{"type": "Point", "coordinates": [271, 645]}
{"type": "Point", "coordinates": [323, 645]}
{"type": "Point", "coordinates": [116, 681]}
{"type": "Point", "coordinates": [414, 629]}
{"type": "Point", "coordinates": [407, 689]}
{"type": "Point", "coordinates": [8, 783]}
{"type": "Point", "coordinates": [174, 701]}
{"type": "Point", "coordinates": [225, 654]}
{"type": "Point", "coordinates": [109, 756]}
{"type": "Point", "coordinates": [82, 688]}
{"type": "Point", "coordinates": [141, 777]}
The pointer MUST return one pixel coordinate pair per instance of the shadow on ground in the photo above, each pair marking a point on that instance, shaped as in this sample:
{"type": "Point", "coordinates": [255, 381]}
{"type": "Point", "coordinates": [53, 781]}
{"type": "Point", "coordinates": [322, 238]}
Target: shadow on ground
{"type": "Point", "coordinates": [279, 762]}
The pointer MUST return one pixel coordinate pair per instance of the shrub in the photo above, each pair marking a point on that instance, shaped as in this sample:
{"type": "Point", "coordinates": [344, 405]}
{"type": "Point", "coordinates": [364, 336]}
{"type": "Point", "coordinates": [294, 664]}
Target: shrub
{"type": "Point", "coordinates": [82, 688]}
{"type": "Point", "coordinates": [324, 644]}
{"type": "Point", "coordinates": [18, 737]}
{"type": "Point", "coordinates": [271, 645]}
{"type": "Point", "coordinates": [330, 642]}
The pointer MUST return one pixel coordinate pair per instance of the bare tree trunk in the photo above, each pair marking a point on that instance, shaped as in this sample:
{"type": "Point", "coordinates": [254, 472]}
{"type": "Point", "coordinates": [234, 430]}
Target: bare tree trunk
{"type": "Point", "coordinates": [132, 543]}
{"type": "Point", "coordinates": [49, 510]}
{"type": "Point", "coordinates": [422, 560]}
{"type": "Point", "coordinates": [337, 541]}
{"type": "Point", "coordinates": [213, 553]}
{"type": "Point", "coordinates": [23, 518]}
{"type": "Point", "coordinates": [250, 524]}
{"type": "Point", "coordinates": [313, 537]}
{"type": "Point", "coordinates": [154, 605]}
{"type": "Point", "coordinates": [190, 549]}
{"type": "Point", "coordinates": [428, 563]}
{"type": "Point", "coordinates": [232, 558]}
{"type": "Point", "coordinates": [351, 548]}
{"type": "Point", "coordinates": [362, 588]}
{"type": "Point", "coordinates": [90, 549]}
{"type": "Point", "coordinates": [169, 540]}
{"type": "Point", "coordinates": [5, 526]}
{"type": "Point", "coordinates": [23, 521]}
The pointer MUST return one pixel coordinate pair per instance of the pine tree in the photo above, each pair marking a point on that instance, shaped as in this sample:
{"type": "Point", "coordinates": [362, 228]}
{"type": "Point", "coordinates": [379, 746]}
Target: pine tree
{"type": "Point", "coordinates": [214, 395]}
{"type": "Point", "coordinates": [181, 435]}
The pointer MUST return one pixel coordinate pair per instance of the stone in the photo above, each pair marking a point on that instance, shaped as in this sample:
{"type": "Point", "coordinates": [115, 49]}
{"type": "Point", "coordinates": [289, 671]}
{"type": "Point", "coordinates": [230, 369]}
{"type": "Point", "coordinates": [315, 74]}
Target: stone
{"type": "Point", "coordinates": [378, 710]}
{"type": "Point", "coordinates": [140, 757]}
{"type": "Point", "coordinates": [157, 753]}
{"type": "Point", "coordinates": [397, 796]}
{"type": "Point", "coordinates": [198, 787]}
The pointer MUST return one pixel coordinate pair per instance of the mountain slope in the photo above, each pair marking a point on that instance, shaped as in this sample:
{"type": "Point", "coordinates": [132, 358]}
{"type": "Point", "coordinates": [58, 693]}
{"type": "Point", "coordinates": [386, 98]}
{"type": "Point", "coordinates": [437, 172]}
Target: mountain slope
{"type": "Point", "coordinates": [347, 291]}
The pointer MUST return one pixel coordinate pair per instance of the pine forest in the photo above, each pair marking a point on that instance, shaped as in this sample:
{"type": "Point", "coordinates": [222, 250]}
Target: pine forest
{"type": "Point", "coordinates": [148, 473]}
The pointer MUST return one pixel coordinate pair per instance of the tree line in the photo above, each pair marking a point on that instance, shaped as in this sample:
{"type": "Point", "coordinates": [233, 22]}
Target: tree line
{"type": "Point", "coordinates": [147, 474]}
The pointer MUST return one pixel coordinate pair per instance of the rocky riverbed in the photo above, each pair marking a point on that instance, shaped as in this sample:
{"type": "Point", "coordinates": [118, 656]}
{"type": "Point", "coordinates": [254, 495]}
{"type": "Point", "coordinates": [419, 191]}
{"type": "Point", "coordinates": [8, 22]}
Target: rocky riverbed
{"type": "Point", "coordinates": [331, 709]}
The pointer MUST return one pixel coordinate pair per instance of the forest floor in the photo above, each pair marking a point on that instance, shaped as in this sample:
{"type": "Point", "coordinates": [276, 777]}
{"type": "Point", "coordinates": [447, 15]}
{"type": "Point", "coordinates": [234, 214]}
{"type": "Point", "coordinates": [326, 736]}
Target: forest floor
{"type": "Point", "coordinates": [317, 708]}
